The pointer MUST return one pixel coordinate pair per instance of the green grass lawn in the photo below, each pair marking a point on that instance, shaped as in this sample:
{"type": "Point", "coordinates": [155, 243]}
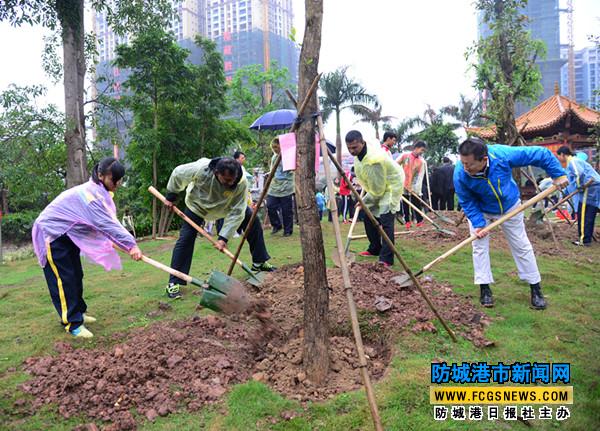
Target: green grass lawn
{"type": "Point", "coordinates": [568, 331]}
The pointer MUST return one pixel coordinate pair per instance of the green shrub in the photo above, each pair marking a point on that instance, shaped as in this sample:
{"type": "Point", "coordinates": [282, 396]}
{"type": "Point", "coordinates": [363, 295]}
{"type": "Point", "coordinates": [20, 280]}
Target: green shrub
{"type": "Point", "coordinates": [16, 227]}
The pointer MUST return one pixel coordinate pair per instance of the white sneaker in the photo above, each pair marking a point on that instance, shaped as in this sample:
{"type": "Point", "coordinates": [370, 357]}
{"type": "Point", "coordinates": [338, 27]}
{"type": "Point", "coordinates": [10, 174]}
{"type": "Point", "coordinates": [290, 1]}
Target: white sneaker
{"type": "Point", "coordinates": [89, 319]}
{"type": "Point", "coordinates": [81, 332]}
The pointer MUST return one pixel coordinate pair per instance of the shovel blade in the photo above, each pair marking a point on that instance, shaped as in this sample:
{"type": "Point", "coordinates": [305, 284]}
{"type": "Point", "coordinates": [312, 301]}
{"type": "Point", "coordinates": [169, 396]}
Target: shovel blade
{"type": "Point", "coordinates": [335, 256]}
{"type": "Point", "coordinates": [257, 279]}
{"type": "Point", "coordinates": [403, 280]}
{"type": "Point", "coordinates": [225, 294]}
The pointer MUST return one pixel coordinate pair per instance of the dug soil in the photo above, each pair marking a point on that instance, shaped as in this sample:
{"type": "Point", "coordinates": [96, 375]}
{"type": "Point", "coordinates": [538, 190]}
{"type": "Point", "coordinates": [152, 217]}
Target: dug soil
{"type": "Point", "coordinates": [176, 365]}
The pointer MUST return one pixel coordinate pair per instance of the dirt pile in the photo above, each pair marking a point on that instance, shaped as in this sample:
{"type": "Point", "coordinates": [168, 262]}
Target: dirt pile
{"type": "Point", "coordinates": [183, 365]}
{"type": "Point", "coordinates": [155, 371]}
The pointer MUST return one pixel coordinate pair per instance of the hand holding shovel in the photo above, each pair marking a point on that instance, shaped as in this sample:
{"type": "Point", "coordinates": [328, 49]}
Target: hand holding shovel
{"type": "Point", "coordinates": [219, 245]}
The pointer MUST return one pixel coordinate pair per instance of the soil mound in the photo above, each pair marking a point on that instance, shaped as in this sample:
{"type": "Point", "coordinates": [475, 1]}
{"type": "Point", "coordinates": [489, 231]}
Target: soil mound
{"type": "Point", "coordinates": [185, 364]}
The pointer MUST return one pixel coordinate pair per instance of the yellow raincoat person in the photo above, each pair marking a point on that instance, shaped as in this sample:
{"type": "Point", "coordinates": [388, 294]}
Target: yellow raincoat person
{"type": "Point", "coordinates": [215, 189]}
{"type": "Point", "coordinates": [207, 197]}
{"type": "Point", "coordinates": [383, 180]}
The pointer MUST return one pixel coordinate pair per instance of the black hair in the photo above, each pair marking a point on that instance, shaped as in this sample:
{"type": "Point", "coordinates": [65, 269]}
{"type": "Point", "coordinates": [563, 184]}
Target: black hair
{"type": "Point", "coordinates": [108, 165]}
{"type": "Point", "coordinates": [226, 165]}
{"type": "Point", "coordinates": [419, 144]}
{"type": "Point", "coordinates": [238, 154]}
{"type": "Point", "coordinates": [475, 146]}
{"type": "Point", "coordinates": [446, 160]}
{"type": "Point", "coordinates": [353, 135]}
{"type": "Point", "coordinates": [564, 150]}
{"type": "Point", "coordinates": [388, 135]}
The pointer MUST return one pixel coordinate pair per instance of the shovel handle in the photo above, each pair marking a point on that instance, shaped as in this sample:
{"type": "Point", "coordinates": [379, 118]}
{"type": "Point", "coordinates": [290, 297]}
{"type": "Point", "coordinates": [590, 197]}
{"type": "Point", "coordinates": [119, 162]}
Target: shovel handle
{"type": "Point", "coordinates": [166, 268]}
{"type": "Point", "coordinates": [421, 213]}
{"type": "Point", "coordinates": [569, 196]}
{"type": "Point", "coordinates": [189, 221]}
{"type": "Point", "coordinates": [491, 226]}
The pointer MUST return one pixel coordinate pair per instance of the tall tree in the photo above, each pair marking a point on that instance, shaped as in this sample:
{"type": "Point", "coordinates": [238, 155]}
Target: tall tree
{"type": "Point", "coordinates": [437, 133]}
{"type": "Point", "coordinates": [467, 112]}
{"type": "Point", "coordinates": [371, 115]}
{"type": "Point", "coordinates": [504, 63]}
{"type": "Point", "coordinates": [316, 295]}
{"type": "Point", "coordinates": [341, 92]}
{"type": "Point", "coordinates": [67, 15]}
{"type": "Point", "coordinates": [403, 130]}
{"type": "Point", "coordinates": [32, 160]}
{"type": "Point", "coordinates": [176, 104]}
{"type": "Point", "coordinates": [247, 102]}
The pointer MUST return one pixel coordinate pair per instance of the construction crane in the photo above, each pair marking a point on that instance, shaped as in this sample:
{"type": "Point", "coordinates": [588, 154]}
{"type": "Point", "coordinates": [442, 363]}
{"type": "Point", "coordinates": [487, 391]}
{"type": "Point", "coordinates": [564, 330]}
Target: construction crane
{"type": "Point", "coordinates": [266, 51]}
{"type": "Point", "coordinates": [571, 56]}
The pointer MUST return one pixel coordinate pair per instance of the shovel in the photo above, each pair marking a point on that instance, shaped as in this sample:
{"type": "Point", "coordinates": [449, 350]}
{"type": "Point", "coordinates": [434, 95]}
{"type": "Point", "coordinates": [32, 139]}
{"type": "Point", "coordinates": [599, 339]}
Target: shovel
{"type": "Point", "coordinates": [223, 294]}
{"type": "Point", "coordinates": [255, 279]}
{"type": "Point", "coordinates": [404, 279]}
{"type": "Point", "coordinates": [437, 226]}
{"type": "Point", "coordinates": [438, 215]}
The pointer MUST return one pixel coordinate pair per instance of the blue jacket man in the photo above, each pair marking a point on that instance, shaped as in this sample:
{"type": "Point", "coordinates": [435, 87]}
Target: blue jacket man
{"type": "Point", "coordinates": [588, 200]}
{"type": "Point", "coordinates": [486, 190]}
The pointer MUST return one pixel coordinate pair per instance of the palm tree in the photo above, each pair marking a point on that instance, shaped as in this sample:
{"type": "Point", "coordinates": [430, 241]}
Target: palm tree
{"type": "Point", "coordinates": [403, 130]}
{"type": "Point", "coordinates": [340, 92]}
{"type": "Point", "coordinates": [438, 134]}
{"type": "Point", "coordinates": [467, 112]}
{"type": "Point", "coordinates": [371, 115]}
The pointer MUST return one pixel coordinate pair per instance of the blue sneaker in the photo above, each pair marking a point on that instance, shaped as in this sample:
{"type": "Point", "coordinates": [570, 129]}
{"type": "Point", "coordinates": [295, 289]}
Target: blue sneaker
{"type": "Point", "coordinates": [81, 332]}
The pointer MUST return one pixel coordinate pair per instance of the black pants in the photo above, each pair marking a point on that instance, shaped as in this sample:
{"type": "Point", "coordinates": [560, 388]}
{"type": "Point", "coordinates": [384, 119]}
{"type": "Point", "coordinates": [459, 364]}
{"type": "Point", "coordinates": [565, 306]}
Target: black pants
{"type": "Point", "coordinates": [436, 201]}
{"type": "Point", "coordinates": [443, 201]}
{"type": "Point", "coordinates": [284, 206]}
{"type": "Point", "coordinates": [377, 246]}
{"type": "Point", "coordinates": [184, 247]}
{"type": "Point", "coordinates": [589, 218]}
{"type": "Point", "coordinates": [64, 277]}
{"type": "Point", "coordinates": [408, 209]}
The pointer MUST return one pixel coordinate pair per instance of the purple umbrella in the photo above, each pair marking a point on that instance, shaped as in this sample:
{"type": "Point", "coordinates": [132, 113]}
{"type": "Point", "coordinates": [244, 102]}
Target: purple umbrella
{"type": "Point", "coordinates": [275, 120]}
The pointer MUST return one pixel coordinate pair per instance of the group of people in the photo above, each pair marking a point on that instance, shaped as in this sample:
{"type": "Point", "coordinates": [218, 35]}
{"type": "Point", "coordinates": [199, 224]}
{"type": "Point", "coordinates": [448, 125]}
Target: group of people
{"type": "Point", "coordinates": [486, 190]}
{"type": "Point", "coordinates": [82, 220]}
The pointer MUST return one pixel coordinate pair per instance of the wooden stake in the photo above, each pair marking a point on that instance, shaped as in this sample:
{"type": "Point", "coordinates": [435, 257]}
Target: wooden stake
{"type": "Point", "coordinates": [392, 247]}
{"type": "Point", "coordinates": [348, 285]}
{"type": "Point", "coordinates": [311, 90]}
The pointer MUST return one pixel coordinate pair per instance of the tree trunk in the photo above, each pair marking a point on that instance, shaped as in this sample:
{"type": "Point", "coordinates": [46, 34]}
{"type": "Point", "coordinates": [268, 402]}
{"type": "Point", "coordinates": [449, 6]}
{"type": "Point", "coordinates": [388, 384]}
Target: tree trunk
{"type": "Point", "coordinates": [507, 130]}
{"type": "Point", "coordinates": [154, 171]}
{"type": "Point", "coordinates": [338, 138]}
{"type": "Point", "coordinates": [70, 14]}
{"type": "Point", "coordinates": [316, 294]}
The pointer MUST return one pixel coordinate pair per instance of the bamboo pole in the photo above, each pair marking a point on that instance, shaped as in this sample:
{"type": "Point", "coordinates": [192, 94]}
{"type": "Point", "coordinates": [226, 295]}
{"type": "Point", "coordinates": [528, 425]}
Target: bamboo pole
{"type": "Point", "coordinates": [531, 178]}
{"type": "Point", "coordinates": [348, 286]}
{"type": "Point", "coordinates": [311, 90]}
{"type": "Point", "coordinates": [392, 247]}
{"type": "Point", "coordinates": [489, 227]}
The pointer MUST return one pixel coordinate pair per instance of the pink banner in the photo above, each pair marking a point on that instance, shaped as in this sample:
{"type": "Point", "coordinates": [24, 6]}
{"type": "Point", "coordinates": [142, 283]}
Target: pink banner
{"type": "Point", "coordinates": [287, 143]}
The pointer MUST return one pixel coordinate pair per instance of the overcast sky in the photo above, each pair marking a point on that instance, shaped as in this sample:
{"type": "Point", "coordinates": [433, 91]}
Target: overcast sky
{"type": "Point", "coordinates": [408, 53]}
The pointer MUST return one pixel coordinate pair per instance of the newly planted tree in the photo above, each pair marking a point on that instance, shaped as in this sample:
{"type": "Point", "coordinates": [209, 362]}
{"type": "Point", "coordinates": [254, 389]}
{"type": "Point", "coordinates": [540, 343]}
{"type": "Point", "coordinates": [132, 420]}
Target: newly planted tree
{"type": "Point", "coordinates": [316, 295]}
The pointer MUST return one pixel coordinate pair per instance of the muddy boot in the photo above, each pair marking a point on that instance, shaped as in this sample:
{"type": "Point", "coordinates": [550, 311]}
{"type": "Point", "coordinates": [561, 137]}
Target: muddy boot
{"type": "Point", "coordinates": [485, 297]}
{"type": "Point", "coordinates": [537, 298]}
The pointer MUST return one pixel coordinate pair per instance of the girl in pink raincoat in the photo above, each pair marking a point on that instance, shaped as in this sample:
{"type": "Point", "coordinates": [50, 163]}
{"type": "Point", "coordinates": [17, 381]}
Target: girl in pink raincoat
{"type": "Point", "coordinates": [81, 220]}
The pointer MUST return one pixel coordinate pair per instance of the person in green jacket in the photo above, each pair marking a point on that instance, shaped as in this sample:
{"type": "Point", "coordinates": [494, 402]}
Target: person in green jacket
{"type": "Point", "coordinates": [215, 189]}
{"type": "Point", "coordinates": [383, 181]}
{"type": "Point", "coordinates": [279, 199]}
